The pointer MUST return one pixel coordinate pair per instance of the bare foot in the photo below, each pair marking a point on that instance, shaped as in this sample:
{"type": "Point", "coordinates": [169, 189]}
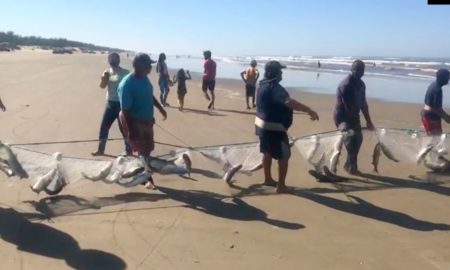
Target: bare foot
{"type": "Point", "coordinates": [97, 153]}
{"type": "Point", "coordinates": [270, 183]}
{"type": "Point", "coordinates": [150, 185]}
{"type": "Point", "coordinates": [282, 189]}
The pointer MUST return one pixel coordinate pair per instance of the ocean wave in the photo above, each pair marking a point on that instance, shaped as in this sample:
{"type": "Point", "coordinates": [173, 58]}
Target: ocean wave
{"type": "Point", "coordinates": [420, 76]}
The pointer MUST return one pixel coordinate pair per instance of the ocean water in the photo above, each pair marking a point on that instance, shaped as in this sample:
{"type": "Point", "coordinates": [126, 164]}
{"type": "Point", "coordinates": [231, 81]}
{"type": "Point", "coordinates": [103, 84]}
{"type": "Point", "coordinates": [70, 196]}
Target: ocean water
{"type": "Point", "coordinates": [391, 79]}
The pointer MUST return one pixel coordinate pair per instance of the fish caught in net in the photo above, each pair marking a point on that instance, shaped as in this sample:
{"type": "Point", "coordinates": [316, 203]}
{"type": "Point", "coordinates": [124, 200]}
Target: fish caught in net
{"type": "Point", "coordinates": [50, 173]}
{"type": "Point", "coordinates": [244, 158]}
{"type": "Point", "coordinates": [407, 146]}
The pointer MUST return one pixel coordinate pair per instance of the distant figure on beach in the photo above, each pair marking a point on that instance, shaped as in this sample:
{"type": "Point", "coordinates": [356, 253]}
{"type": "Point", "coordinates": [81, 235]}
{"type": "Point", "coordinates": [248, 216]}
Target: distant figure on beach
{"type": "Point", "coordinates": [318, 64]}
{"type": "Point", "coordinates": [137, 114]}
{"type": "Point", "coordinates": [209, 79]}
{"type": "Point", "coordinates": [181, 77]}
{"type": "Point", "coordinates": [164, 79]}
{"type": "Point", "coordinates": [432, 112]}
{"type": "Point", "coordinates": [350, 100]}
{"type": "Point", "coordinates": [274, 116]}
{"type": "Point", "coordinates": [250, 76]}
{"type": "Point", "coordinates": [110, 80]}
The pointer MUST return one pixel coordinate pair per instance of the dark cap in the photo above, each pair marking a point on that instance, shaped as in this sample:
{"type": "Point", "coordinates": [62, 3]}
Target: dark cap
{"type": "Point", "coordinates": [442, 73]}
{"type": "Point", "coordinates": [142, 59]}
{"type": "Point", "coordinates": [273, 69]}
{"type": "Point", "coordinates": [207, 53]}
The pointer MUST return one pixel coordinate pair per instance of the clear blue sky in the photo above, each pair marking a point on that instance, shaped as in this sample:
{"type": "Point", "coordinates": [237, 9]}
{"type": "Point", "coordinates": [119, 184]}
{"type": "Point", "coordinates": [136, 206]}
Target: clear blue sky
{"type": "Point", "coordinates": [250, 27]}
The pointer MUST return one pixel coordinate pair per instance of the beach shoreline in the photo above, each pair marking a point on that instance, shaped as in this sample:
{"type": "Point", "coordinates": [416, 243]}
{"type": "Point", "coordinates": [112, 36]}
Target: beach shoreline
{"type": "Point", "coordinates": [382, 221]}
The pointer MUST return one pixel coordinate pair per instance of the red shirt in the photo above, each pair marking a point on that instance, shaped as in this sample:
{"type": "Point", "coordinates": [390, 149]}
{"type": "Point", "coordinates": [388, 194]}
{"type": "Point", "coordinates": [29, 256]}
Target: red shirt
{"type": "Point", "coordinates": [209, 73]}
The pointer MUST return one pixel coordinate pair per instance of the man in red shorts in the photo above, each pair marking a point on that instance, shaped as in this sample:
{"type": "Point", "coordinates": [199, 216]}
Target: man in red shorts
{"type": "Point", "coordinates": [137, 102]}
{"type": "Point", "coordinates": [432, 112]}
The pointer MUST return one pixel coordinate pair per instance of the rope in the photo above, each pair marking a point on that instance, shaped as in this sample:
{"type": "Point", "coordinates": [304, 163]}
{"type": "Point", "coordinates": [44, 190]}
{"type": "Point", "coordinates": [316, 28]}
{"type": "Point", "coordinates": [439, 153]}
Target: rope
{"type": "Point", "coordinates": [82, 141]}
{"type": "Point", "coordinates": [186, 145]}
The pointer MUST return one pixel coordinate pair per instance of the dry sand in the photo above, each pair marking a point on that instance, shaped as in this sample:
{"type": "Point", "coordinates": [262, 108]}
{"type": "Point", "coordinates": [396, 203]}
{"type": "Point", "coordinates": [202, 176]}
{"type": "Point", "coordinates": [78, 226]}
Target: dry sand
{"type": "Point", "coordinates": [382, 222]}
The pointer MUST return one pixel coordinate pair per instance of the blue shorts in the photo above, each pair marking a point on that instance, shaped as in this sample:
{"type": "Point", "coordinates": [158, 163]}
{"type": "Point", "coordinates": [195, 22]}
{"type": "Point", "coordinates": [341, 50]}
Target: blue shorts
{"type": "Point", "coordinates": [163, 85]}
{"type": "Point", "coordinates": [276, 144]}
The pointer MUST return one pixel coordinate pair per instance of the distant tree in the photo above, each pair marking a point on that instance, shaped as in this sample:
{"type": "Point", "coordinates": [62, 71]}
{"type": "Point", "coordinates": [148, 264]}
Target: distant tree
{"type": "Point", "coordinates": [17, 40]}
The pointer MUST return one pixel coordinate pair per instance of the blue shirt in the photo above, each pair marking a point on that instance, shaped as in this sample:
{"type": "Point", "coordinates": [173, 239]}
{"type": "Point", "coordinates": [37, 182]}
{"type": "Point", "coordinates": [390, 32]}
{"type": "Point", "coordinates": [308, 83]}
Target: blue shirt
{"type": "Point", "coordinates": [433, 98]}
{"type": "Point", "coordinates": [136, 96]}
{"type": "Point", "coordinates": [350, 99]}
{"type": "Point", "coordinates": [271, 105]}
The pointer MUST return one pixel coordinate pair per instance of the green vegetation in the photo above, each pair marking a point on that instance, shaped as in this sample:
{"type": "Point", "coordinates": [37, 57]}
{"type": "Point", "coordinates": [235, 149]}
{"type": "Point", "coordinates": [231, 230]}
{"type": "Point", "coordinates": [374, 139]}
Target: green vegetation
{"type": "Point", "coordinates": [14, 40]}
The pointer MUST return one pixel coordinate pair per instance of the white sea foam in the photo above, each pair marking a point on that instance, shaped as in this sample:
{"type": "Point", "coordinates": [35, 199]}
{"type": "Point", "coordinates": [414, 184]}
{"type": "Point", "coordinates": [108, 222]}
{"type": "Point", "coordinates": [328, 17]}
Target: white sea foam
{"type": "Point", "coordinates": [420, 76]}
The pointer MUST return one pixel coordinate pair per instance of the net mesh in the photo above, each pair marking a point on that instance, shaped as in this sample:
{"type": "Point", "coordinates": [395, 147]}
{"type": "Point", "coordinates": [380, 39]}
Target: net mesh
{"type": "Point", "coordinates": [320, 150]}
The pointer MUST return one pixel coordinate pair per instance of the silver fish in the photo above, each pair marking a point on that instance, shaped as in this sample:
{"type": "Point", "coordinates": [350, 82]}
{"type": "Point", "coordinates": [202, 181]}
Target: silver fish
{"type": "Point", "coordinates": [316, 143]}
{"type": "Point", "coordinates": [136, 180]}
{"type": "Point", "coordinates": [387, 152]}
{"type": "Point", "coordinates": [43, 181]}
{"type": "Point", "coordinates": [228, 176]}
{"type": "Point", "coordinates": [435, 166]}
{"type": "Point", "coordinates": [166, 167]}
{"type": "Point", "coordinates": [423, 153]}
{"type": "Point", "coordinates": [376, 157]}
{"type": "Point", "coordinates": [13, 165]}
{"type": "Point", "coordinates": [318, 167]}
{"type": "Point", "coordinates": [334, 160]}
{"type": "Point", "coordinates": [133, 171]}
{"type": "Point", "coordinates": [101, 175]}
{"type": "Point", "coordinates": [60, 183]}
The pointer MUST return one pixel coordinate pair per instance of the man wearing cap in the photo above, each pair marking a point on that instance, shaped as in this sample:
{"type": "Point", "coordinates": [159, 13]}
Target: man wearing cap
{"type": "Point", "coordinates": [432, 112]}
{"type": "Point", "coordinates": [274, 115]}
{"type": "Point", "coordinates": [250, 76]}
{"type": "Point", "coordinates": [137, 101]}
{"type": "Point", "coordinates": [209, 78]}
{"type": "Point", "coordinates": [350, 100]}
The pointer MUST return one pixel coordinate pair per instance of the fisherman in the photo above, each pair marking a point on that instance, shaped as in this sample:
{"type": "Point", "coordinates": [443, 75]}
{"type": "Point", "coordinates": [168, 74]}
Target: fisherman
{"type": "Point", "coordinates": [250, 76]}
{"type": "Point", "coordinates": [209, 78]}
{"type": "Point", "coordinates": [137, 101]}
{"type": "Point", "coordinates": [433, 113]}
{"type": "Point", "coordinates": [350, 100]}
{"type": "Point", "coordinates": [110, 80]}
{"type": "Point", "coordinates": [273, 118]}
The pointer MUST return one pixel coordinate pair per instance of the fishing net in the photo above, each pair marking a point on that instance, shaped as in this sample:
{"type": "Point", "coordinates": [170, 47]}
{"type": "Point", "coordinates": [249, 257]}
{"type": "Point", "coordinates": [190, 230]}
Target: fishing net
{"type": "Point", "coordinates": [246, 155]}
{"type": "Point", "coordinates": [321, 150]}
{"type": "Point", "coordinates": [52, 172]}
{"type": "Point", "coordinates": [416, 147]}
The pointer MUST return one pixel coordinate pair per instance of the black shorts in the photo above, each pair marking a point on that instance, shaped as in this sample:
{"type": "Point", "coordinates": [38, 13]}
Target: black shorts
{"type": "Point", "coordinates": [275, 144]}
{"type": "Point", "coordinates": [208, 85]}
{"type": "Point", "coordinates": [250, 90]}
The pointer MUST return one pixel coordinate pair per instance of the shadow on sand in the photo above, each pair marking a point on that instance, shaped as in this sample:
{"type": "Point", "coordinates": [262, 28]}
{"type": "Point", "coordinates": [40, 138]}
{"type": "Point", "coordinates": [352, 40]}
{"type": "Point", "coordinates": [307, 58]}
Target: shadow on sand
{"type": "Point", "coordinates": [356, 206]}
{"type": "Point", "coordinates": [224, 207]}
{"type": "Point", "coordinates": [408, 183]}
{"type": "Point", "coordinates": [62, 205]}
{"type": "Point", "coordinates": [41, 239]}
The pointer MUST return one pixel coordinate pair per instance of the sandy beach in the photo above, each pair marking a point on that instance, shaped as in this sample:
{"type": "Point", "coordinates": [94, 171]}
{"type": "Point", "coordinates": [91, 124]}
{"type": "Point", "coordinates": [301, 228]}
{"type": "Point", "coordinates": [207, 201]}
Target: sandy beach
{"type": "Point", "coordinates": [385, 221]}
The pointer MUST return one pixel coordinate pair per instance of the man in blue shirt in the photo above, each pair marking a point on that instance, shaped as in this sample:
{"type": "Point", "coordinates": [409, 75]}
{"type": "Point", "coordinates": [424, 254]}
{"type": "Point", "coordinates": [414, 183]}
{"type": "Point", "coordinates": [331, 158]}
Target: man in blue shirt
{"type": "Point", "coordinates": [136, 102]}
{"type": "Point", "coordinates": [274, 116]}
{"type": "Point", "coordinates": [432, 112]}
{"type": "Point", "coordinates": [350, 101]}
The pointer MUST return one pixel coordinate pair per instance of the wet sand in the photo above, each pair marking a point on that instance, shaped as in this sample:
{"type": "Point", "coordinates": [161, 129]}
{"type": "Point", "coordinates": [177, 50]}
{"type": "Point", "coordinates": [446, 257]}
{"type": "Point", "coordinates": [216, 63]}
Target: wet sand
{"type": "Point", "coordinates": [384, 221]}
